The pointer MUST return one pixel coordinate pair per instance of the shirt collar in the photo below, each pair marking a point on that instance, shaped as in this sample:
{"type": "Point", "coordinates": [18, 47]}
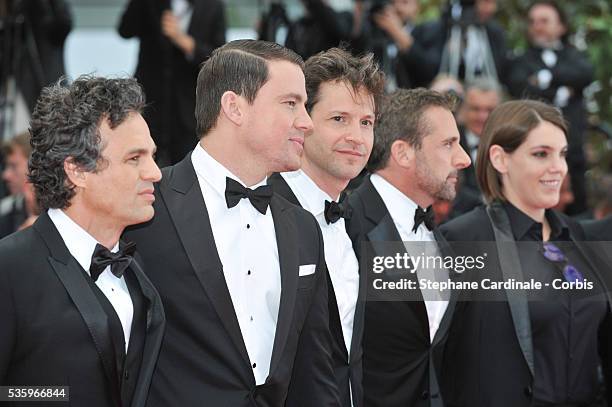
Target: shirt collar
{"type": "Point", "coordinates": [80, 244]}
{"type": "Point", "coordinates": [471, 139]}
{"type": "Point", "coordinates": [311, 197]}
{"type": "Point", "coordinates": [400, 207]}
{"type": "Point", "coordinates": [214, 172]}
{"type": "Point", "coordinates": [523, 225]}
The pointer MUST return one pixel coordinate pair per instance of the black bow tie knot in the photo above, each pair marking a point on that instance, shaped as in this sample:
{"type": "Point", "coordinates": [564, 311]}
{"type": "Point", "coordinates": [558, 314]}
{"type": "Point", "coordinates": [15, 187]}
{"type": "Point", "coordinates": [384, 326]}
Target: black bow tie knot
{"type": "Point", "coordinates": [334, 211]}
{"type": "Point", "coordinates": [423, 216]}
{"type": "Point", "coordinates": [259, 197]}
{"type": "Point", "coordinates": [119, 262]}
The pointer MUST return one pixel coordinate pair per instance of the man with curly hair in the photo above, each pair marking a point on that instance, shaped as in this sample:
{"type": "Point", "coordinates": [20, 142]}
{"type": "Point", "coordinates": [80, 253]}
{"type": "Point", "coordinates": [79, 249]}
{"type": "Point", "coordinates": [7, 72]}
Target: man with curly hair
{"type": "Point", "coordinates": [77, 309]}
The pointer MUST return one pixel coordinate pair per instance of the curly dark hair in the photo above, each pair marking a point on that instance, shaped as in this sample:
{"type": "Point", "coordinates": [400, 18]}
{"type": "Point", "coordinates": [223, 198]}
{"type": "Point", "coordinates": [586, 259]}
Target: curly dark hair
{"type": "Point", "coordinates": [65, 125]}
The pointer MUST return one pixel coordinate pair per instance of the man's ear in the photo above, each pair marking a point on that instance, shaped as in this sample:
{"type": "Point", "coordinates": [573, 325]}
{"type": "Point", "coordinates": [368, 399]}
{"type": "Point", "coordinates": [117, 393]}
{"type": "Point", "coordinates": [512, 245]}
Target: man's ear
{"type": "Point", "coordinates": [232, 106]}
{"type": "Point", "coordinates": [498, 158]}
{"type": "Point", "coordinates": [75, 174]}
{"type": "Point", "coordinates": [402, 153]}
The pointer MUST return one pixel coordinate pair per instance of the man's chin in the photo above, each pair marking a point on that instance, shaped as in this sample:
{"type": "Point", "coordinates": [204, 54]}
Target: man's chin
{"type": "Point", "coordinates": [446, 194]}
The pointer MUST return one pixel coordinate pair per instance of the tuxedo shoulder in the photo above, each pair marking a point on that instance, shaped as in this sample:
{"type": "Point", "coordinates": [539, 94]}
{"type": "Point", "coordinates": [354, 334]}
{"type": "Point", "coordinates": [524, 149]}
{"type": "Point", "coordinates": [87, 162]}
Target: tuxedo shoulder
{"type": "Point", "coordinates": [302, 217]}
{"type": "Point", "coordinates": [17, 250]}
{"type": "Point", "coordinates": [356, 197]}
{"type": "Point", "coordinates": [471, 226]}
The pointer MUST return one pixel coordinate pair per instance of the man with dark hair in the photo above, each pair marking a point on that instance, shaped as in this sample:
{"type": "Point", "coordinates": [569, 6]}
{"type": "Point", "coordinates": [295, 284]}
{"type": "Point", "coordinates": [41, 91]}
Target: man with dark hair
{"type": "Point", "coordinates": [553, 70]}
{"type": "Point", "coordinates": [77, 309]}
{"type": "Point", "coordinates": [343, 92]}
{"type": "Point", "coordinates": [13, 210]}
{"type": "Point", "coordinates": [243, 280]}
{"type": "Point", "coordinates": [415, 161]}
{"type": "Point", "coordinates": [482, 95]}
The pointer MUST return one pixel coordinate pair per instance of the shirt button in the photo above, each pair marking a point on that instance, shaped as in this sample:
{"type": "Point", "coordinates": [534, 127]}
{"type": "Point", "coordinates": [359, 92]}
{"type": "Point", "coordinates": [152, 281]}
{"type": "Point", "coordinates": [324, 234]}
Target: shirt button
{"type": "Point", "coordinates": [249, 272]}
{"type": "Point", "coordinates": [254, 365]}
{"type": "Point", "coordinates": [248, 226]}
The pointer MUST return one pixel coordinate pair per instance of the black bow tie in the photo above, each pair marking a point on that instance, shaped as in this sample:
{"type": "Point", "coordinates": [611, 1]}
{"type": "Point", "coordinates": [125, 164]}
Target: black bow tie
{"type": "Point", "coordinates": [119, 262]}
{"type": "Point", "coordinates": [259, 197]}
{"type": "Point", "coordinates": [334, 211]}
{"type": "Point", "coordinates": [421, 216]}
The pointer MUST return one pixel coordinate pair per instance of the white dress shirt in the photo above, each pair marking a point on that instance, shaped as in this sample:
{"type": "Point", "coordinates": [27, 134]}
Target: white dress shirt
{"type": "Point", "coordinates": [472, 142]}
{"type": "Point", "coordinates": [82, 245]}
{"type": "Point", "coordinates": [246, 244]}
{"type": "Point", "coordinates": [402, 209]}
{"type": "Point", "coordinates": [339, 255]}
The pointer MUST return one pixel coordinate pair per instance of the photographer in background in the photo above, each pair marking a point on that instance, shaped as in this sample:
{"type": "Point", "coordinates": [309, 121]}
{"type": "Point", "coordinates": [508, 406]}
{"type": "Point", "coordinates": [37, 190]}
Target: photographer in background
{"type": "Point", "coordinates": [461, 43]}
{"type": "Point", "coordinates": [322, 28]}
{"type": "Point", "coordinates": [553, 70]}
{"type": "Point", "coordinates": [33, 34]}
{"type": "Point", "coordinates": [392, 22]}
{"type": "Point", "coordinates": [176, 36]}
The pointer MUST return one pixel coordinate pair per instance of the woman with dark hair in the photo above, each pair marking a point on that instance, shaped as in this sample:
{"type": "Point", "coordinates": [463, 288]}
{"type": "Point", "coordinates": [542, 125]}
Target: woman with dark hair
{"type": "Point", "coordinates": [526, 347]}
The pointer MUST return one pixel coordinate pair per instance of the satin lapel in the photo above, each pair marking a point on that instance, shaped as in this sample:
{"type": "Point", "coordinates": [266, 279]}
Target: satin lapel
{"type": "Point", "coordinates": [71, 276]}
{"type": "Point", "coordinates": [511, 269]}
{"type": "Point", "coordinates": [281, 187]}
{"type": "Point", "coordinates": [156, 322]}
{"type": "Point", "coordinates": [446, 250]}
{"type": "Point", "coordinates": [187, 209]}
{"type": "Point", "coordinates": [355, 351]}
{"type": "Point", "coordinates": [287, 243]}
{"type": "Point", "coordinates": [387, 233]}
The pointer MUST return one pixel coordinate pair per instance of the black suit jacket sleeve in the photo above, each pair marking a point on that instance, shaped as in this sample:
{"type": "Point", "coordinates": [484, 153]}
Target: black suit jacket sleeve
{"type": "Point", "coordinates": [214, 15]}
{"type": "Point", "coordinates": [424, 56]}
{"type": "Point", "coordinates": [207, 27]}
{"type": "Point", "coordinates": [312, 382]}
{"type": "Point", "coordinates": [51, 18]}
{"type": "Point", "coordinates": [8, 324]}
{"type": "Point", "coordinates": [132, 20]}
{"type": "Point", "coordinates": [574, 70]}
{"type": "Point", "coordinates": [605, 354]}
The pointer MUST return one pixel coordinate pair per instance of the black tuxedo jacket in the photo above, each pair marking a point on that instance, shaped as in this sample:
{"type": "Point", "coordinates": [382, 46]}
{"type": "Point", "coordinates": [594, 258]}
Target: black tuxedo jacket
{"type": "Point", "coordinates": [348, 372]}
{"type": "Point", "coordinates": [203, 357]}
{"type": "Point", "coordinates": [53, 329]}
{"type": "Point", "coordinates": [598, 230]}
{"type": "Point", "coordinates": [400, 363]}
{"type": "Point", "coordinates": [167, 75]}
{"type": "Point", "coordinates": [488, 360]}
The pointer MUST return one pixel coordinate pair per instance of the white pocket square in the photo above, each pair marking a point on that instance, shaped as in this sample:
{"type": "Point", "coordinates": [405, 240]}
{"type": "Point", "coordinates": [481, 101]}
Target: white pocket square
{"type": "Point", "coordinates": [307, 269]}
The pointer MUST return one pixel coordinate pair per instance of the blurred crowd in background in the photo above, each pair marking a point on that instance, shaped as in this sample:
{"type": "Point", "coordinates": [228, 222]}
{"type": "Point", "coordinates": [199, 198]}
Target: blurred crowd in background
{"type": "Point", "coordinates": [463, 50]}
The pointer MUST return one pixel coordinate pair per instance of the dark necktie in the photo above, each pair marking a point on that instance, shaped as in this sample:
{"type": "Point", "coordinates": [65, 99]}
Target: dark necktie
{"type": "Point", "coordinates": [423, 216]}
{"type": "Point", "coordinates": [334, 211]}
{"type": "Point", "coordinates": [119, 262]}
{"type": "Point", "coordinates": [259, 197]}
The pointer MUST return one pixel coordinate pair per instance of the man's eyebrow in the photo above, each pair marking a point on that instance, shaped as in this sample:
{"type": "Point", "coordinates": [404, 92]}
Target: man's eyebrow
{"type": "Point", "coordinates": [292, 95]}
{"type": "Point", "coordinates": [141, 151]}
